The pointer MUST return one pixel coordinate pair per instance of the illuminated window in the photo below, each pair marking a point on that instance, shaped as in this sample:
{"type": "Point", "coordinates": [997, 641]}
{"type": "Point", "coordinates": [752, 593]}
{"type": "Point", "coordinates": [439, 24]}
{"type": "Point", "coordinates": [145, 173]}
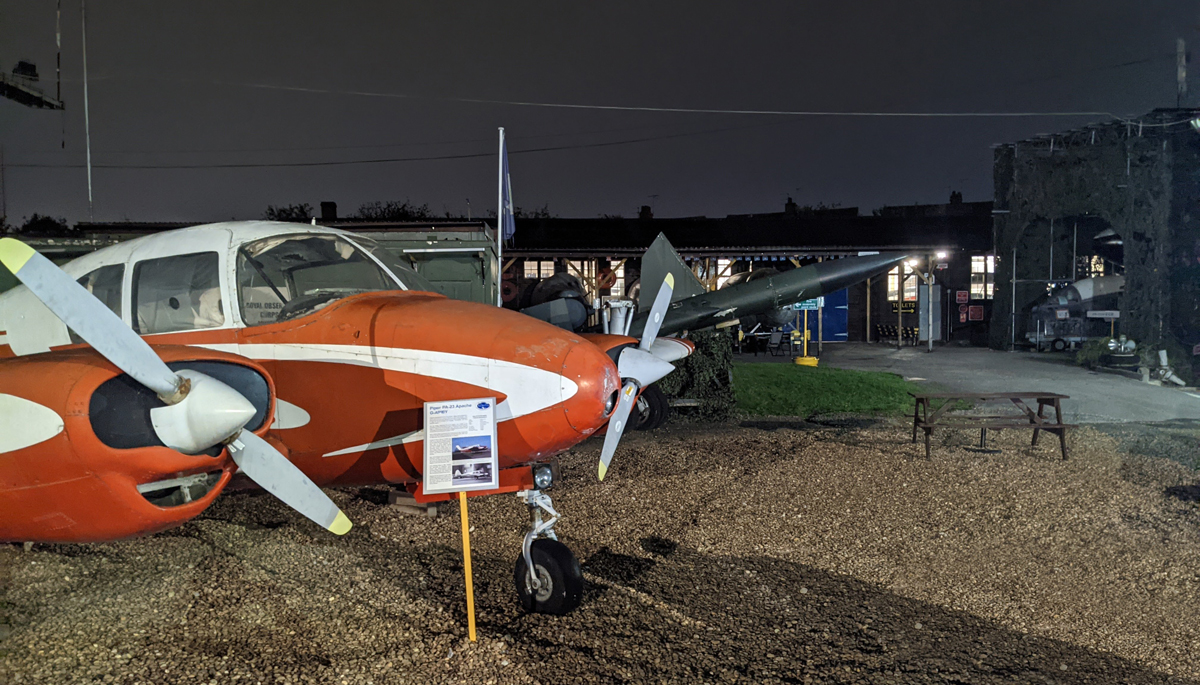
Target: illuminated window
{"type": "Point", "coordinates": [578, 270]}
{"type": "Point", "coordinates": [618, 289]}
{"type": "Point", "coordinates": [910, 284]}
{"type": "Point", "coordinates": [983, 277]}
{"type": "Point", "coordinates": [536, 269]}
{"type": "Point", "coordinates": [724, 269]}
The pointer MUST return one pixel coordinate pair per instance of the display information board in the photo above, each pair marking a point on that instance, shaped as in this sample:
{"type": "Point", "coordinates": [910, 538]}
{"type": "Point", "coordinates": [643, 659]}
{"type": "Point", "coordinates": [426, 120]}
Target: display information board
{"type": "Point", "coordinates": [460, 446]}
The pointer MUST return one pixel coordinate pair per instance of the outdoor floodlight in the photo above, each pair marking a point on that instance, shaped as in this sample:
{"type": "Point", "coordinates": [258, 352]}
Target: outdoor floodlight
{"type": "Point", "coordinates": [941, 254]}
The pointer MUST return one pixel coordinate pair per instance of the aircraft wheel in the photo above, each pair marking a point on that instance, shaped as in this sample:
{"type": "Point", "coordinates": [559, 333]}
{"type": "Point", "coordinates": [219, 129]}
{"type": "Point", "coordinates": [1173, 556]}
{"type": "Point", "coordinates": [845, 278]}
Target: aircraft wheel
{"type": "Point", "coordinates": [653, 409]}
{"type": "Point", "coordinates": [1058, 345]}
{"type": "Point", "coordinates": [559, 575]}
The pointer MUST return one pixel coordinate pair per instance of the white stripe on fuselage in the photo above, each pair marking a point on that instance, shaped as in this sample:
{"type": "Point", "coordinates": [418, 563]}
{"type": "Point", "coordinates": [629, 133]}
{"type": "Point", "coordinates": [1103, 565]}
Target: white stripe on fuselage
{"type": "Point", "coordinates": [414, 436]}
{"type": "Point", "coordinates": [527, 389]}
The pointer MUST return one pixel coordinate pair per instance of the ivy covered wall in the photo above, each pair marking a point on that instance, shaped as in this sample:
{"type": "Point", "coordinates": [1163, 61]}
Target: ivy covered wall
{"type": "Point", "coordinates": [1143, 182]}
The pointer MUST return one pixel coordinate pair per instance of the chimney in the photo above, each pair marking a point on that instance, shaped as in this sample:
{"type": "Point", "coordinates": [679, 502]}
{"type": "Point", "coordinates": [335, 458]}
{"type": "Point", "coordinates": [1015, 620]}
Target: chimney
{"type": "Point", "coordinates": [790, 207]}
{"type": "Point", "coordinates": [328, 211]}
{"type": "Point", "coordinates": [645, 213]}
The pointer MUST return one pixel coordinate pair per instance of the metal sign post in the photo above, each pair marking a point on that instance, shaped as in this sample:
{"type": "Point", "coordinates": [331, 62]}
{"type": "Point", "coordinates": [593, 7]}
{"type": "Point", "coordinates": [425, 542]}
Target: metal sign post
{"type": "Point", "coordinates": [460, 455]}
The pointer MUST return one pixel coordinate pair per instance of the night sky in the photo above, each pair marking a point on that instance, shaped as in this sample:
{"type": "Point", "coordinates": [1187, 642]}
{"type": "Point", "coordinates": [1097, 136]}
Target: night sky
{"type": "Point", "coordinates": [181, 84]}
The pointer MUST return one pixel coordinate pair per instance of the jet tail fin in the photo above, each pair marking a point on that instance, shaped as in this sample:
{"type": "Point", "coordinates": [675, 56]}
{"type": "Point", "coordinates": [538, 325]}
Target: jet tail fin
{"type": "Point", "coordinates": [661, 259]}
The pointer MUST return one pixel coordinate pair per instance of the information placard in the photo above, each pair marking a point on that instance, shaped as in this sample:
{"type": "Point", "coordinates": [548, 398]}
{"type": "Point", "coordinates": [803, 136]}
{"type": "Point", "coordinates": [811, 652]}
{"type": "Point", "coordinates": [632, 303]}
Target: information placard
{"type": "Point", "coordinates": [460, 446]}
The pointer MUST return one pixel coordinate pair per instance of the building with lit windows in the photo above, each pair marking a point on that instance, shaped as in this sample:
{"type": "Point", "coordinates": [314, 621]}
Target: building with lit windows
{"type": "Point", "coordinates": [607, 251]}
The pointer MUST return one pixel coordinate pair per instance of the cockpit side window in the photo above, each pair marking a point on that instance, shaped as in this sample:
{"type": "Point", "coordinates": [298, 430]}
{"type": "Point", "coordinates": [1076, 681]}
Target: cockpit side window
{"type": "Point", "coordinates": [285, 277]}
{"type": "Point", "coordinates": [105, 285]}
{"type": "Point", "coordinates": [178, 293]}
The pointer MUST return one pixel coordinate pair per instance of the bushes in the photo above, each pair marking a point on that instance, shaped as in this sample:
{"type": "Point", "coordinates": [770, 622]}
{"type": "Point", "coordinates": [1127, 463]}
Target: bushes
{"type": "Point", "coordinates": [706, 375]}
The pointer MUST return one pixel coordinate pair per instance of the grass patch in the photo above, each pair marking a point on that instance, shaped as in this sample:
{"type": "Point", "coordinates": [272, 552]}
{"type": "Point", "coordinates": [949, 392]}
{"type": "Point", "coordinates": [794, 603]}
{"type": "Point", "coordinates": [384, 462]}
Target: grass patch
{"type": "Point", "coordinates": [791, 390]}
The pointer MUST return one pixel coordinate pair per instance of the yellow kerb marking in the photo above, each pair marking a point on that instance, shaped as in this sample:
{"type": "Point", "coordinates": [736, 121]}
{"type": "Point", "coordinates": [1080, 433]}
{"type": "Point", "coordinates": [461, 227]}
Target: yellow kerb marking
{"type": "Point", "coordinates": [341, 525]}
{"type": "Point", "coordinates": [603, 470]}
{"type": "Point", "coordinates": [14, 254]}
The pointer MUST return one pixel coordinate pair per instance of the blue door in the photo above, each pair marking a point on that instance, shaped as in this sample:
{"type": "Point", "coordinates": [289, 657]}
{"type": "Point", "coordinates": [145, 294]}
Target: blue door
{"type": "Point", "coordinates": [836, 315]}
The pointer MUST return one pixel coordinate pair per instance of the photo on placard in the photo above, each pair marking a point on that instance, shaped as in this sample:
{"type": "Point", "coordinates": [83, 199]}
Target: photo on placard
{"type": "Point", "coordinates": [471, 447]}
{"type": "Point", "coordinates": [470, 474]}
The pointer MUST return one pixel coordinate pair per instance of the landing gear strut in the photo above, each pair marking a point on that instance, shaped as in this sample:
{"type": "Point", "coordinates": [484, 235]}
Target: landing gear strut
{"type": "Point", "coordinates": [556, 584]}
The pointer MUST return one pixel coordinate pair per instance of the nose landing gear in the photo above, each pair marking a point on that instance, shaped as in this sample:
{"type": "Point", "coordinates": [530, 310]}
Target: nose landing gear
{"type": "Point", "coordinates": [555, 585]}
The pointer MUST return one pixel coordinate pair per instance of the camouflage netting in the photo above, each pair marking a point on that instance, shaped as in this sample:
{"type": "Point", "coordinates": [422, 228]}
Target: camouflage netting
{"type": "Point", "coordinates": [706, 375]}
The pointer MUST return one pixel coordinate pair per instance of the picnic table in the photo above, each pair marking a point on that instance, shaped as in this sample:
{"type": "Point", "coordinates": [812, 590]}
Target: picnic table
{"type": "Point", "coordinates": [929, 414]}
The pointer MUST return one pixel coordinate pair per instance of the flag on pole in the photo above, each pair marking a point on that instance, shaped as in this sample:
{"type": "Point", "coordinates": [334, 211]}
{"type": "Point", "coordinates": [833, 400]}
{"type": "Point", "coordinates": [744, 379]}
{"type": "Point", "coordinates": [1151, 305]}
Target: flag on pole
{"type": "Point", "coordinates": [508, 226]}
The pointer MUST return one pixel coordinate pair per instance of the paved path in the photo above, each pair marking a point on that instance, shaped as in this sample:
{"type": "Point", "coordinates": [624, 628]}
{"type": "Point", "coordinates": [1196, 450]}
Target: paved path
{"type": "Point", "coordinates": [1095, 397]}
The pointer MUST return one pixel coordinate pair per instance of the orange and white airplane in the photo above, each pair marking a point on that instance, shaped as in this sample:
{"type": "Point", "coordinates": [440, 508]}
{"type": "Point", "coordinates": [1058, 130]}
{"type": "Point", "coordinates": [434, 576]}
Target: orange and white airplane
{"type": "Point", "coordinates": [137, 381]}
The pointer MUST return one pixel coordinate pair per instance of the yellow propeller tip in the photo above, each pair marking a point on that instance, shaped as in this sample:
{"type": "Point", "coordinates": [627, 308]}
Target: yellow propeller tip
{"type": "Point", "coordinates": [603, 470]}
{"type": "Point", "coordinates": [670, 280]}
{"type": "Point", "coordinates": [341, 525]}
{"type": "Point", "coordinates": [14, 254]}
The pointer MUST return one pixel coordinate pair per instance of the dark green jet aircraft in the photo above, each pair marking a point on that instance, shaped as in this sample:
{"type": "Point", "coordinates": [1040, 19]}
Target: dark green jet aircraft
{"type": "Point", "coordinates": [695, 308]}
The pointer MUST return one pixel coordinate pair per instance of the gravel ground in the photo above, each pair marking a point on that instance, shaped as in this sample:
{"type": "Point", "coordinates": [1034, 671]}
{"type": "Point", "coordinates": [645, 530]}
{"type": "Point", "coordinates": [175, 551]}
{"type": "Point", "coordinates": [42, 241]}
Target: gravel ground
{"type": "Point", "coordinates": [776, 551]}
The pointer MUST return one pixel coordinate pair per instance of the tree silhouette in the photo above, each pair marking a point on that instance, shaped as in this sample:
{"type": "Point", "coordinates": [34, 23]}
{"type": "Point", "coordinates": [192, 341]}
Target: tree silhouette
{"type": "Point", "coordinates": [297, 213]}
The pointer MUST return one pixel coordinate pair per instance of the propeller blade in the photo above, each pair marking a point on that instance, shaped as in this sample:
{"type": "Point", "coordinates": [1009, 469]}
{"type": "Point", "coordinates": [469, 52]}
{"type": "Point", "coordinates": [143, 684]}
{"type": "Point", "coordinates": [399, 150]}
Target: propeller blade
{"type": "Point", "coordinates": [185, 425]}
{"type": "Point", "coordinates": [643, 367]}
{"type": "Point", "coordinates": [616, 425]}
{"type": "Point", "coordinates": [658, 312]}
{"type": "Point", "coordinates": [264, 465]}
{"type": "Point", "coordinates": [88, 317]}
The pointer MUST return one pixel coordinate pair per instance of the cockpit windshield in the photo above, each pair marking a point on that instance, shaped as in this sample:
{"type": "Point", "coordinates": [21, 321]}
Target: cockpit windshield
{"type": "Point", "coordinates": [284, 277]}
{"type": "Point", "coordinates": [407, 275]}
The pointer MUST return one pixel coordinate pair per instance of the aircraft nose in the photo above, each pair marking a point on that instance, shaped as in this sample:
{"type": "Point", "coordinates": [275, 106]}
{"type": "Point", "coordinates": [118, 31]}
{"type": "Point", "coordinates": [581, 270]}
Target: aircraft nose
{"type": "Point", "coordinates": [590, 384]}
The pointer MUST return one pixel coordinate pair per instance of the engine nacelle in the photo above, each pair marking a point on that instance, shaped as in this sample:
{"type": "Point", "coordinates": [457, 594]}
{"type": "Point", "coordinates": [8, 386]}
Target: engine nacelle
{"type": "Point", "coordinates": [86, 465]}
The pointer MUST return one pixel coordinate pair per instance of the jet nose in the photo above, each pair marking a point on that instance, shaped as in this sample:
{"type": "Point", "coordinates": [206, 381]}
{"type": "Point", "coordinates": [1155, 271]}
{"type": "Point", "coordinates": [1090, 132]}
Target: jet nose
{"type": "Point", "coordinates": [836, 274]}
{"type": "Point", "coordinates": [590, 384]}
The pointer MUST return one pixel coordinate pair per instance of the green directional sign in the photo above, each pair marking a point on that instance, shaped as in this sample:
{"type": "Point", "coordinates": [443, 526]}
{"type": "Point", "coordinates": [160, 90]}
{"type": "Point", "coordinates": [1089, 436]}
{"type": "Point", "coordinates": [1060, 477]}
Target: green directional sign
{"type": "Point", "coordinates": [815, 303]}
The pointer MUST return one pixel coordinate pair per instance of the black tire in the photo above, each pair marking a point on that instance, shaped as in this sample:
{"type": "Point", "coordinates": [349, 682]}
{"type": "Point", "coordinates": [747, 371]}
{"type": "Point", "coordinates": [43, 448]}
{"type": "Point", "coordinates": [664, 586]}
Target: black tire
{"type": "Point", "coordinates": [1059, 345]}
{"type": "Point", "coordinates": [555, 563]}
{"type": "Point", "coordinates": [661, 408]}
{"type": "Point", "coordinates": [652, 409]}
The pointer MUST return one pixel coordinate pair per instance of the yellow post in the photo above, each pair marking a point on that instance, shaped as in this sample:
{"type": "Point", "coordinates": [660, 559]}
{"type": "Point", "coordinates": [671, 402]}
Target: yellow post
{"type": "Point", "coordinates": [805, 332]}
{"type": "Point", "coordinates": [466, 533]}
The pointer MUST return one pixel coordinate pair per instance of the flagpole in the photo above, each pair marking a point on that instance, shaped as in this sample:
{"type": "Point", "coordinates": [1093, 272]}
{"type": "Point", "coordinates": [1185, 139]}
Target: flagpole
{"type": "Point", "coordinates": [500, 223]}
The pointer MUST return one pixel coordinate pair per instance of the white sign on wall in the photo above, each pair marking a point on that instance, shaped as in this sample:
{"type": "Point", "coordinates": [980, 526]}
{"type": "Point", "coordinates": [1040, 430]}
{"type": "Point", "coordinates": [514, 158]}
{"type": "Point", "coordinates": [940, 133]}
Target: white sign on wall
{"type": "Point", "coordinates": [460, 446]}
